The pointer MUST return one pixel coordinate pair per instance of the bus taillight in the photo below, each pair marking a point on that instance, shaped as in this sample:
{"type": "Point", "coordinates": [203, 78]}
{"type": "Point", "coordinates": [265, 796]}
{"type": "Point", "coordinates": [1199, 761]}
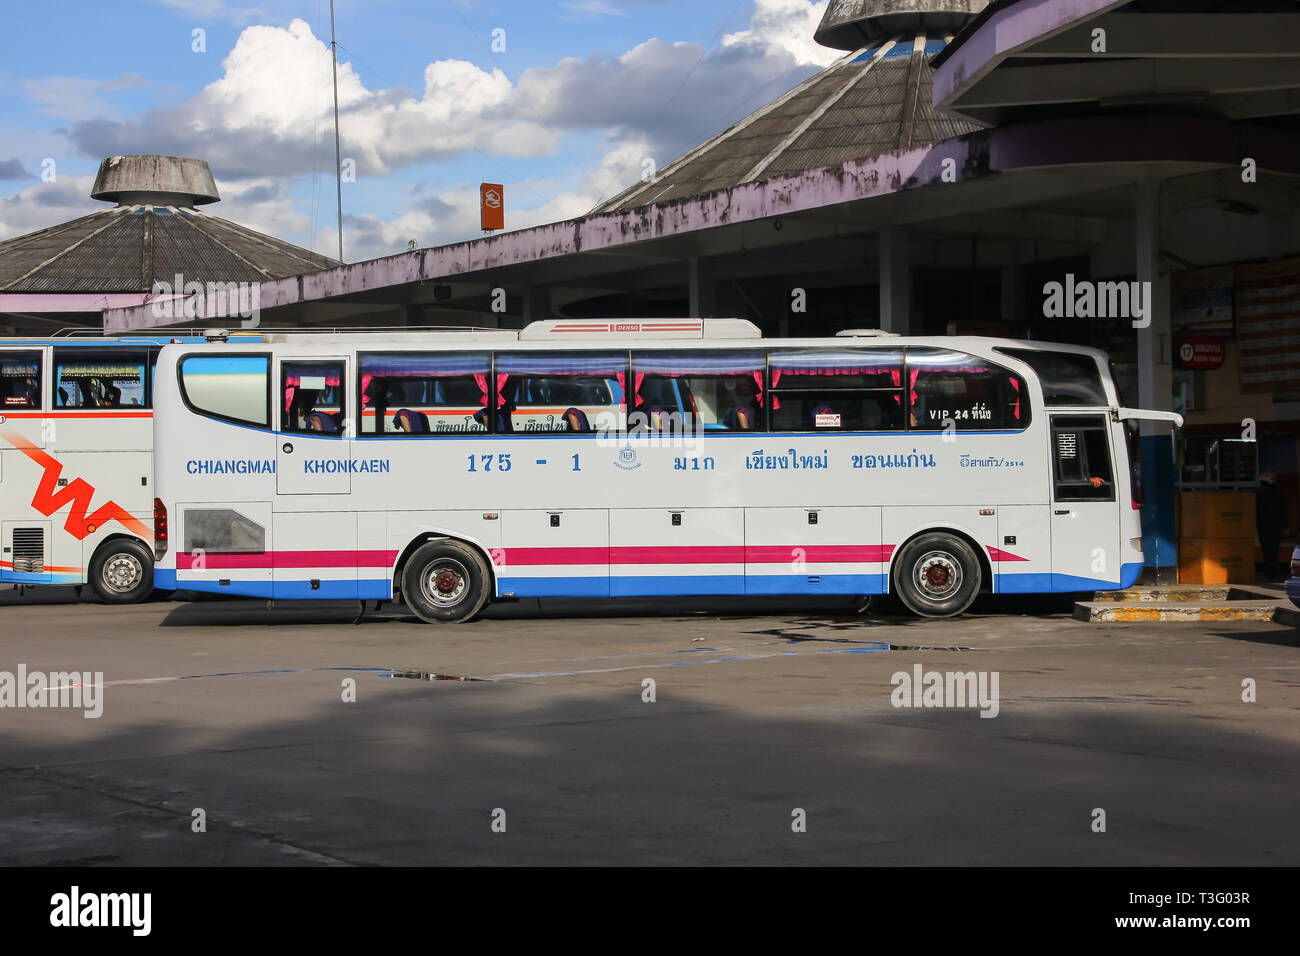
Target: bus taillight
{"type": "Point", "coordinates": [159, 529]}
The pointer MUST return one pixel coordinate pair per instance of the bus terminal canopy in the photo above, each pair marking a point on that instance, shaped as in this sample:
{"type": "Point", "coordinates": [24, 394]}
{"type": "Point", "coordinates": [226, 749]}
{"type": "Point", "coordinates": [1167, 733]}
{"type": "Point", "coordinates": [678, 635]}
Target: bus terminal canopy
{"type": "Point", "coordinates": [1088, 98]}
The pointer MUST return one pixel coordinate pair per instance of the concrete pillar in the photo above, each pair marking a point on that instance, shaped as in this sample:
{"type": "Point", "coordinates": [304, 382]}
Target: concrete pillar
{"type": "Point", "coordinates": [703, 278]}
{"type": "Point", "coordinates": [1013, 287]}
{"type": "Point", "coordinates": [1155, 383]}
{"type": "Point", "coordinates": [895, 281]}
{"type": "Point", "coordinates": [537, 304]}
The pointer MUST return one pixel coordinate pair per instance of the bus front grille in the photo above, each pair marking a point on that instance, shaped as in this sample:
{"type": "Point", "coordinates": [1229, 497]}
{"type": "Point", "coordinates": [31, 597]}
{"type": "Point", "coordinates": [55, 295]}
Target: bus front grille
{"type": "Point", "coordinates": [29, 550]}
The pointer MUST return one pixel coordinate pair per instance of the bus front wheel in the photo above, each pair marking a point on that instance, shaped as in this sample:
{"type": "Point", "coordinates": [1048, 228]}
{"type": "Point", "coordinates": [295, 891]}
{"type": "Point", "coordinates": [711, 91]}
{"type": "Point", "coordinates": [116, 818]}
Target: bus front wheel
{"type": "Point", "coordinates": [122, 571]}
{"type": "Point", "coordinates": [445, 582]}
{"type": "Point", "coordinates": [937, 575]}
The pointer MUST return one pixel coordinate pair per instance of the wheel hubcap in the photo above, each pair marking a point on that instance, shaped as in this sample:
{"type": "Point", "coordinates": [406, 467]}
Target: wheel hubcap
{"type": "Point", "coordinates": [445, 582]}
{"type": "Point", "coordinates": [938, 574]}
{"type": "Point", "coordinates": [122, 572]}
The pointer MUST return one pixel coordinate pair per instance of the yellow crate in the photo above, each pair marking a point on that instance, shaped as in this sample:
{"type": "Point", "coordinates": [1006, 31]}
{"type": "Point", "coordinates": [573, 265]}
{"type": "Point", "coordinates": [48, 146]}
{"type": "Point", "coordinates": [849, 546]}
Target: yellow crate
{"type": "Point", "coordinates": [1216, 560]}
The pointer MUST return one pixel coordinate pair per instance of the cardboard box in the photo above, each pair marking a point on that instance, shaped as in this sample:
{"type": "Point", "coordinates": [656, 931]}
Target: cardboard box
{"type": "Point", "coordinates": [1216, 561]}
{"type": "Point", "coordinates": [1216, 514]}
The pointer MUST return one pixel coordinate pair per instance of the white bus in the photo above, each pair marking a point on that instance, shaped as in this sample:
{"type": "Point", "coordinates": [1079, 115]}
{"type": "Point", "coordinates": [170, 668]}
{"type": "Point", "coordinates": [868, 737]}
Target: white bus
{"type": "Point", "coordinates": [451, 469]}
{"type": "Point", "coordinates": [76, 462]}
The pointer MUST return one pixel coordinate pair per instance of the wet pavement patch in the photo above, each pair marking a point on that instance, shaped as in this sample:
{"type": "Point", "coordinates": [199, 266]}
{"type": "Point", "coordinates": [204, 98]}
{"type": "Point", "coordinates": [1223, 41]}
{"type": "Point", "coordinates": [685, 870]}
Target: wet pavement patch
{"type": "Point", "coordinates": [802, 636]}
{"type": "Point", "coordinates": [430, 676]}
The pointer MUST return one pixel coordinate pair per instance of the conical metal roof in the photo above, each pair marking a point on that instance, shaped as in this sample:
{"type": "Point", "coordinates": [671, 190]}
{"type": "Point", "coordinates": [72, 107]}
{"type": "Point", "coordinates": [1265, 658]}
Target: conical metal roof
{"type": "Point", "coordinates": [154, 234]}
{"type": "Point", "coordinates": [849, 24]}
{"type": "Point", "coordinates": [873, 101]}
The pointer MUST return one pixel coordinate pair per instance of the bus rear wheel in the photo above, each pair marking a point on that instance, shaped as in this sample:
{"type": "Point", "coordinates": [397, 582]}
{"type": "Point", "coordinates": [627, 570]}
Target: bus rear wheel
{"type": "Point", "coordinates": [122, 571]}
{"type": "Point", "coordinates": [445, 582]}
{"type": "Point", "coordinates": [937, 575]}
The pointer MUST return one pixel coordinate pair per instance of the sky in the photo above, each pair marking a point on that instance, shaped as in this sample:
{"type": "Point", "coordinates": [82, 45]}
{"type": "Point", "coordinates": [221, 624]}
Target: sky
{"type": "Point", "coordinates": [565, 102]}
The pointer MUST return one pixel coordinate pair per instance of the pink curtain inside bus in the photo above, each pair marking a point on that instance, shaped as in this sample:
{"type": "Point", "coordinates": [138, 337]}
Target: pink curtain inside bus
{"type": "Point", "coordinates": [295, 373]}
{"type": "Point", "coordinates": [672, 365]}
{"type": "Point", "coordinates": [423, 368]}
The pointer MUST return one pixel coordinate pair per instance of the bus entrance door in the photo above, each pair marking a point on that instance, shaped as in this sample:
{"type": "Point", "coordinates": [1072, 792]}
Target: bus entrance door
{"type": "Point", "coordinates": [1085, 513]}
{"type": "Point", "coordinates": [313, 455]}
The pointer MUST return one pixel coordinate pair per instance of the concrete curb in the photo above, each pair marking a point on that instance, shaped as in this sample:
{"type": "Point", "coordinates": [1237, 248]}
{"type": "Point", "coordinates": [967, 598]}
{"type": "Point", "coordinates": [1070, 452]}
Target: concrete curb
{"type": "Point", "coordinates": [1110, 612]}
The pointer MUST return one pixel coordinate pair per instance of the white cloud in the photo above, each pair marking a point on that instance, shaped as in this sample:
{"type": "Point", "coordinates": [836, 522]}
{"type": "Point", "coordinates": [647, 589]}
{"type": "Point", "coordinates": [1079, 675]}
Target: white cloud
{"type": "Point", "coordinates": [75, 98]}
{"type": "Point", "coordinates": [595, 8]}
{"type": "Point", "coordinates": [452, 214]}
{"type": "Point", "coordinates": [786, 25]}
{"type": "Point", "coordinates": [212, 9]}
{"type": "Point", "coordinates": [45, 204]}
{"type": "Point", "coordinates": [272, 108]}
{"type": "Point", "coordinates": [270, 111]}
{"type": "Point", "coordinates": [268, 119]}
{"type": "Point", "coordinates": [261, 204]}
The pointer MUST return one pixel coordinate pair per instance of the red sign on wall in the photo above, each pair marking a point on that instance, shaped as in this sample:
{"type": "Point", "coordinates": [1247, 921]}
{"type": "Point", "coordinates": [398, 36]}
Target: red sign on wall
{"type": "Point", "coordinates": [492, 205]}
{"type": "Point", "coordinates": [1200, 353]}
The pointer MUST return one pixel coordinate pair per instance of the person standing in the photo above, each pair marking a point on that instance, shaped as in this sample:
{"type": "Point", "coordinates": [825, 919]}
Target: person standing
{"type": "Point", "coordinates": [1270, 521]}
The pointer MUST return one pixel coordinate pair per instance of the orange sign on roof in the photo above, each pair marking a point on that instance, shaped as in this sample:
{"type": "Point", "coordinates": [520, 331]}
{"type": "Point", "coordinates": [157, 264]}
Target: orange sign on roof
{"type": "Point", "coordinates": [492, 205]}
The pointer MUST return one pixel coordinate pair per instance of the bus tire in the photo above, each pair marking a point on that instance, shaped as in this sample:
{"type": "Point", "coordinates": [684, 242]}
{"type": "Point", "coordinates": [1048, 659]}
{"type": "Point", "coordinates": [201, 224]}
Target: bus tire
{"type": "Point", "coordinates": [445, 582]}
{"type": "Point", "coordinates": [121, 571]}
{"type": "Point", "coordinates": [937, 575]}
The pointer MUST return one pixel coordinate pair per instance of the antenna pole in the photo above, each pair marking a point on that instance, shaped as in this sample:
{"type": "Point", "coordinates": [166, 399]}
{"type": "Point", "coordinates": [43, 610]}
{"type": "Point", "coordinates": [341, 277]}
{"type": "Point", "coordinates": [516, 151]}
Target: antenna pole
{"type": "Point", "coordinates": [338, 157]}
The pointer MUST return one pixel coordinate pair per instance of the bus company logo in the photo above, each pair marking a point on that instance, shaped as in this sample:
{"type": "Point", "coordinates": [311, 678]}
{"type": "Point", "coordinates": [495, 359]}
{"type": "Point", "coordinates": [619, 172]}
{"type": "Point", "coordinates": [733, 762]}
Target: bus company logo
{"type": "Point", "coordinates": [627, 459]}
{"type": "Point", "coordinates": [953, 689]}
{"type": "Point", "coordinates": [208, 300]}
{"type": "Point", "coordinates": [68, 690]}
{"type": "Point", "coordinates": [77, 495]}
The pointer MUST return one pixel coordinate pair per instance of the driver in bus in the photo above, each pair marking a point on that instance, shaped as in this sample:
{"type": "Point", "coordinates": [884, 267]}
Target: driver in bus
{"type": "Point", "coordinates": [303, 404]}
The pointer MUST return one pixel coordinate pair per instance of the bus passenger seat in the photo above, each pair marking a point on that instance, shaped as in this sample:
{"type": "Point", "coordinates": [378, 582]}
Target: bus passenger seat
{"type": "Point", "coordinates": [320, 422]}
{"type": "Point", "coordinates": [740, 418]}
{"type": "Point", "coordinates": [413, 423]}
{"type": "Point", "coordinates": [577, 419]}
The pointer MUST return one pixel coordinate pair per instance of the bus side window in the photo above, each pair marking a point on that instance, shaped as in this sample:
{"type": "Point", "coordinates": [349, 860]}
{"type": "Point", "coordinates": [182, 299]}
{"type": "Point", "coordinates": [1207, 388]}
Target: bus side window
{"type": "Point", "coordinates": [569, 392]}
{"type": "Point", "coordinates": [412, 393]}
{"type": "Point", "coordinates": [232, 387]}
{"type": "Point", "coordinates": [953, 390]}
{"type": "Point", "coordinates": [20, 380]}
{"type": "Point", "coordinates": [1066, 377]}
{"type": "Point", "coordinates": [682, 391]}
{"type": "Point", "coordinates": [837, 390]}
{"type": "Point", "coordinates": [101, 378]}
{"type": "Point", "coordinates": [1081, 464]}
{"type": "Point", "coordinates": [312, 397]}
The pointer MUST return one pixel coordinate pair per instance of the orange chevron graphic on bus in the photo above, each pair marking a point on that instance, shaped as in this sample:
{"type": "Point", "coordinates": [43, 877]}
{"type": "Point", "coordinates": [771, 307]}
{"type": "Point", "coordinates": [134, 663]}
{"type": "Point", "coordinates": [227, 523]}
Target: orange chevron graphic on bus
{"type": "Point", "coordinates": [78, 494]}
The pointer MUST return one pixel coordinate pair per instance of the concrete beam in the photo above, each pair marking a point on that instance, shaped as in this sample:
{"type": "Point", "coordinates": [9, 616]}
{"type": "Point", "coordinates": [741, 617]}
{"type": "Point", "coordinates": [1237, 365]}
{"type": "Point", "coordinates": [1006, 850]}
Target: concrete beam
{"type": "Point", "coordinates": [1125, 81]}
{"type": "Point", "coordinates": [1178, 35]}
{"type": "Point", "coordinates": [1015, 27]}
{"type": "Point", "coordinates": [1027, 225]}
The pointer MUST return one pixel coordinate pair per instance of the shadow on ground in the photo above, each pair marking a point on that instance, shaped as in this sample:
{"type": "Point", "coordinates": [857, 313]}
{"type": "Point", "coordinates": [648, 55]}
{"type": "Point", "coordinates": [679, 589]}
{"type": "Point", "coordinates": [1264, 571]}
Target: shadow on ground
{"type": "Point", "coordinates": [411, 773]}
